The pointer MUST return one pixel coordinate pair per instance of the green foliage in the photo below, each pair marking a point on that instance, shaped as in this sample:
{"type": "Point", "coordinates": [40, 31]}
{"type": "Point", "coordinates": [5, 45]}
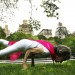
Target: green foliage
{"type": "Point", "coordinates": [58, 40]}
{"type": "Point", "coordinates": [18, 36]}
{"type": "Point", "coordinates": [70, 41]}
{"type": "Point", "coordinates": [2, 46]}
{"type": "Point", "coordinates": [51, 39]}
{"type": "Point", "coordinates": [2, 33]}
{"type": "Point", "coordinates": [66, 68]}
{"type": "Point", "coordinates": [34, 37]}
{"type": "Point", "coordinates": [42, 37]}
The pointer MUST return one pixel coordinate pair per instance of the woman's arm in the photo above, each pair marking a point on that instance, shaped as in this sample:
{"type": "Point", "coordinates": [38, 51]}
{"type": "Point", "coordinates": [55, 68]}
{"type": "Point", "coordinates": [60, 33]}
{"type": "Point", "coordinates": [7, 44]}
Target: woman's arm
{"type": "Point", "coordinates": [33, 50]}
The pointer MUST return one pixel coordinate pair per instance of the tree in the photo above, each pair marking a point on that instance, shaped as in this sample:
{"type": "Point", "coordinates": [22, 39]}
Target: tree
{"type": "Point", "coordinates": [35, 24]}
{"type": "Point", "coordinates": [7, 6]}
{"type": "Point", "coordinates": [70, 41]}
{"type": "Point", "coordinates": [51, 8]}
{"type": "Point", "coordinates": [2, 36]}
{"type": "Point", "coordinates": [57, 40]}
{"type": "Point", "coordinates": [41, 37]}
{"type": "Point", "coordinates": [18, 36]}
{"type": "Point", "coordinates": [2, 33]}
{"type": "Point", "coordinates": [52, 40]}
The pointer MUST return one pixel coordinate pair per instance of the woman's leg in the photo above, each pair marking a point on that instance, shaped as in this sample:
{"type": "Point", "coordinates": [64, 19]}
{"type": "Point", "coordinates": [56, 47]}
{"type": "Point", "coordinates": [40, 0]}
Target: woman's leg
{"type": "Point", "coordinates": [4, 42]}
{"type": "Point", "coordinates": [13, 48]}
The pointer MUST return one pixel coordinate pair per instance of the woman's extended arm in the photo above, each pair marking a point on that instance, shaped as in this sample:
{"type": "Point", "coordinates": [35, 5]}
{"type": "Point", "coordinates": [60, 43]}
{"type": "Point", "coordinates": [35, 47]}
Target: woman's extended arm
{"type": "Point", "coordinates": [33, 50]}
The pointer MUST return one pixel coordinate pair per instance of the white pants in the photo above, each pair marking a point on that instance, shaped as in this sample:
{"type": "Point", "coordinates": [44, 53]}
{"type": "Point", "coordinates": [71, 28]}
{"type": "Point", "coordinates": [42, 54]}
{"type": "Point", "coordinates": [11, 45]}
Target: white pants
{"type": "Point", "coordinates": [22, 45]}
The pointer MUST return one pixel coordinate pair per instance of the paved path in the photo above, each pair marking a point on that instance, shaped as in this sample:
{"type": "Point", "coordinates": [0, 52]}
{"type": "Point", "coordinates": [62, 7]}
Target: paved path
{"type": "Point", "coordinates": [20, 61]}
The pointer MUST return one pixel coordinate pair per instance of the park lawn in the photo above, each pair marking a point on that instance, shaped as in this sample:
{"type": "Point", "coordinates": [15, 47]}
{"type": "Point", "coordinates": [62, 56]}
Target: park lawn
{"type": "Point", "coordinates": [66, 68]}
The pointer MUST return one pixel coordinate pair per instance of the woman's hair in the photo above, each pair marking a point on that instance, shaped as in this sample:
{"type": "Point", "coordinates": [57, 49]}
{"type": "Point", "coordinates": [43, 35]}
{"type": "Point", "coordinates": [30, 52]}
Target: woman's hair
{"type": "Point", "coordinates": [64, 51]}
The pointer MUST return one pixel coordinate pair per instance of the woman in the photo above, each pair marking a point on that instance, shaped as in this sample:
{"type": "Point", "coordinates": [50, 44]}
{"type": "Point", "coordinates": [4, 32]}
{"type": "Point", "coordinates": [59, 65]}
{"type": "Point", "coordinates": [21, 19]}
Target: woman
{"type": "Point", "coordinates": [58, 54]}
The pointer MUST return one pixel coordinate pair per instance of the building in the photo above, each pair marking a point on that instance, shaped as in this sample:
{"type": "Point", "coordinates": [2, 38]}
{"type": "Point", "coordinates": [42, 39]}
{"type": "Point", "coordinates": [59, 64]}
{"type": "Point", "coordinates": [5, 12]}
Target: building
{"type": "Point", "coordinates": [73, 33]}
{"type": "Point", "coordinates": [7, 32]}
{"type": "Point", "coordinates": [46, 32]}
{"type": "Point", "coordinates": [25, 28]}
{"type": "Point", "coordinates": [61, 31]}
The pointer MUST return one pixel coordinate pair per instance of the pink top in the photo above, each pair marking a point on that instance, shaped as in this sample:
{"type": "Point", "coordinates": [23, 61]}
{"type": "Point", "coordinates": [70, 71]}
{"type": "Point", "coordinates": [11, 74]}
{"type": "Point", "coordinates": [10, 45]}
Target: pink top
{"type": "Point", "coordinates": [49, 46]}
{"type": "Point", "coordinates": [11, 43]}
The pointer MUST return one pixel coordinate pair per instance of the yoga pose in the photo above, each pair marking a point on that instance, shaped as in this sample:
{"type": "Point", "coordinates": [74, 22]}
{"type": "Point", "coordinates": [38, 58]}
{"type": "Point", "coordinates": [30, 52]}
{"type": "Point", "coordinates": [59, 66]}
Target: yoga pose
{"type": "Point", "coordinates": [58, 54]}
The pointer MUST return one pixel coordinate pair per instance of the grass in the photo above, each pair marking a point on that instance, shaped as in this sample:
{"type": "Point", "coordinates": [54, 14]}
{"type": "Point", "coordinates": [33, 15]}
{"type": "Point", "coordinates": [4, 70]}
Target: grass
{"type": "Point", "coordinates": [66, 68]}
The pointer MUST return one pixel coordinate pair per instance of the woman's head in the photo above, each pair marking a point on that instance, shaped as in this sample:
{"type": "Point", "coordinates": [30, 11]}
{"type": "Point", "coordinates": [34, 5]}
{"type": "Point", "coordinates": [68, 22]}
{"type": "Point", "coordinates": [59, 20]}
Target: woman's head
{"type": "Point", "coordinates": [62, 53]}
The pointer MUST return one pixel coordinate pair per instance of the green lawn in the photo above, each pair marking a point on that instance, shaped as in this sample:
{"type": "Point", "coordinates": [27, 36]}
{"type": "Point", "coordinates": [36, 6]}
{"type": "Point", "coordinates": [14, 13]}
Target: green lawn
{"type": "Point", "coordinates": [66, 68]}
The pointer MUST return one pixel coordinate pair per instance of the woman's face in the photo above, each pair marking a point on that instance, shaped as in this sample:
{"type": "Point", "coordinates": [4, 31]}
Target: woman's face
{"type": "Point", "coordinates": [58, 58]}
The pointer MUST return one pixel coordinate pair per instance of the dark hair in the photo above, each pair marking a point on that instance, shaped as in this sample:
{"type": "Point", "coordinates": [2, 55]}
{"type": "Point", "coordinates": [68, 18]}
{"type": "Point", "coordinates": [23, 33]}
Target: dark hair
{"type": "Point", "coordinates": [62, 50]}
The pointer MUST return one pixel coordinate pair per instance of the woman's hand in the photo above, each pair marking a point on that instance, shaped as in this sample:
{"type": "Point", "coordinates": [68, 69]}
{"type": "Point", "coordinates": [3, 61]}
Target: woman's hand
{"type": "Point", "coordinates": [24, 66]}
